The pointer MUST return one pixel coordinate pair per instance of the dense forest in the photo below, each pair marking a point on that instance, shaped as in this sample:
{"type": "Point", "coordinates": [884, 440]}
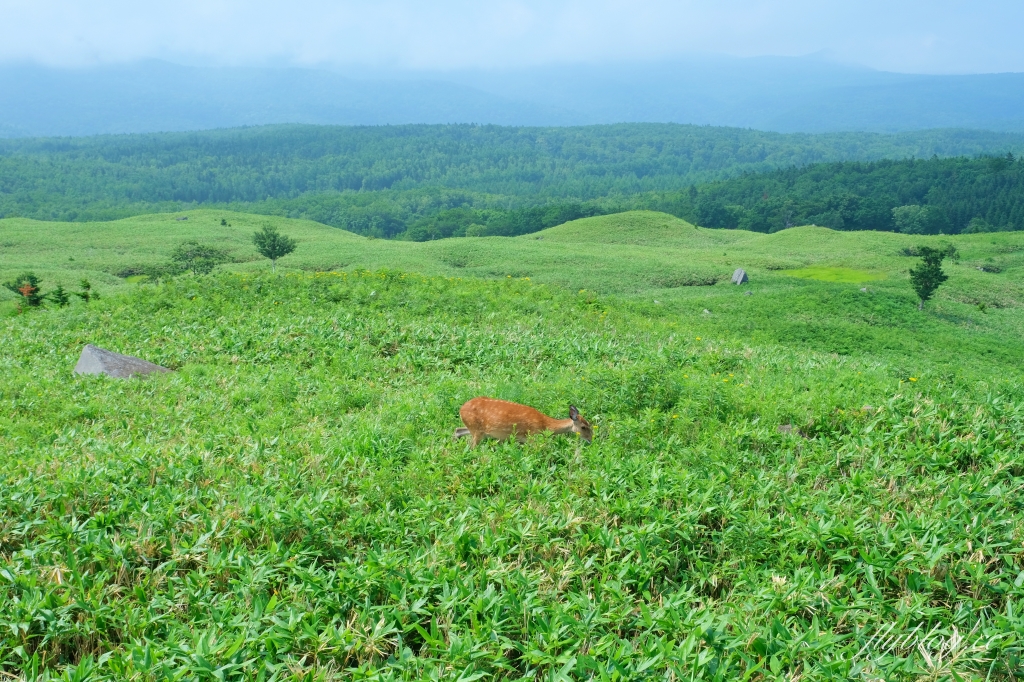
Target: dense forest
{"type": "Point", "coordinates": [426, 182]}
{"type": "Point", "coordinates": [932, 196]}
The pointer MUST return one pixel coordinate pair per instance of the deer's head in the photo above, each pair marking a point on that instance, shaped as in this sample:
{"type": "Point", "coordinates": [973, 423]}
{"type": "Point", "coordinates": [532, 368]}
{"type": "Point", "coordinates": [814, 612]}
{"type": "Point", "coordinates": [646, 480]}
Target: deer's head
{"type": "Point", "coordinates": [581, 425]}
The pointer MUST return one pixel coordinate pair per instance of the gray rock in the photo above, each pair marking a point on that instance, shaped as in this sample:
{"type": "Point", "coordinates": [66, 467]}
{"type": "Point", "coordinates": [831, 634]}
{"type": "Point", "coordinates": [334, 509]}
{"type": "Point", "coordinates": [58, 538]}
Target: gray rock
{"type": "Point", "coordinates": [740, 276]}
{"type": "Point", "coordinates": [748, 293]}
{"type": "Point", "coordinates": [99, 361]}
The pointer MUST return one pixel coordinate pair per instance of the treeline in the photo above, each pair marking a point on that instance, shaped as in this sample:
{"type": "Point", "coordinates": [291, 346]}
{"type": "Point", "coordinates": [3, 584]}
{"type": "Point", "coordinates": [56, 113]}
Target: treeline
{"type": "Point", "coordinates": [916, 196]}
{"type": "Point", "coordinates": [432, 213]}
{"type": "Point", "coordinates": [467, 222]}
{"type": "Point", "coordinates": [386, 179]}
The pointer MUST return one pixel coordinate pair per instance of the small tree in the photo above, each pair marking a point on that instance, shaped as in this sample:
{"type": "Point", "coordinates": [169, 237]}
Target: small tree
{"type": "Point", "coordinates": [927, 275]}
{"type": "Point", "coordinates": [272, 244]}
{"type": "Point", "coordinates": [201, 259]}
{"type": "Point", "coordinates": [60, 296]}
{"type": "Point", "coordinates": [26, 285]}
{"type": "Point", "coordinates": [86, 294]}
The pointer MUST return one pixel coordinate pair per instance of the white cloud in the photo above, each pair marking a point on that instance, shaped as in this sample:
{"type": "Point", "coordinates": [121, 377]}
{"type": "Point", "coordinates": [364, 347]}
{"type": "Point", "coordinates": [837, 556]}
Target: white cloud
{"type": "Point", "coordinates": [912, 35]}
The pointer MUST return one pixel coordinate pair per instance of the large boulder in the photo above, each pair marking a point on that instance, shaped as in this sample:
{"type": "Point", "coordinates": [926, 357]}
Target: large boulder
{"type": "Point", "coordinates": [740, 276]}
{"type": "Point", "coordinates": [96, 360]}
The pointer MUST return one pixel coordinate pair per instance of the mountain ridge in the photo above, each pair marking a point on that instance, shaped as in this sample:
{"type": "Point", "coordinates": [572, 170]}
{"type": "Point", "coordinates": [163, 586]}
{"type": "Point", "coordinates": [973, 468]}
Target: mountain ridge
{"type": "Point", "coordinates": [774, 94]}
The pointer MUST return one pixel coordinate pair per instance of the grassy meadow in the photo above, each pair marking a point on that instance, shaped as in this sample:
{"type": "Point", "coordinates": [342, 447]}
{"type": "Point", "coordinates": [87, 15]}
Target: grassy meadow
{"type": "Point", "coordinates": [805, 282]}
{"type": "Point", "coordinates": [288, 504]}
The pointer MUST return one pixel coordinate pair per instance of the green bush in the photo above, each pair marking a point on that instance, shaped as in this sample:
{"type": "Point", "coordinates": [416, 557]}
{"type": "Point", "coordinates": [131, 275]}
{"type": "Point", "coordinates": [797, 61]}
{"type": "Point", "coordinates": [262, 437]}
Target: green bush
{"type": "Point", "coordinates": [26, 285]}
{"type": "Point", "coordinates": [199, 259]}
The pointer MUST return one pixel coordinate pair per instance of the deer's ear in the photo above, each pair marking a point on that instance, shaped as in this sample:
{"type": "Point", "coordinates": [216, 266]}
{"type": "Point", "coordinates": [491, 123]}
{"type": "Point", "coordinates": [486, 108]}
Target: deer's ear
{"type": "Point", "coordinates": [574, 414]}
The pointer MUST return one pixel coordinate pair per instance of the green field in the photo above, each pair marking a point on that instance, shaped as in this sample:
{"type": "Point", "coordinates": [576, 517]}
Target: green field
{"type": "Point", "coordinates": [826, 273]}
{"type": "Point", "coordinates": [288, 504]}
{"type": "Point", "coordinates": [640, 256]}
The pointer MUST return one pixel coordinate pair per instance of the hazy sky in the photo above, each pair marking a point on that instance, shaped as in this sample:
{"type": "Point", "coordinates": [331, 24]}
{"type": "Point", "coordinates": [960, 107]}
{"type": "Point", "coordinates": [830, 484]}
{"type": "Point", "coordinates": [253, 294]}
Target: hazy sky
{"type": "Point", "coordinates": [931, 36]}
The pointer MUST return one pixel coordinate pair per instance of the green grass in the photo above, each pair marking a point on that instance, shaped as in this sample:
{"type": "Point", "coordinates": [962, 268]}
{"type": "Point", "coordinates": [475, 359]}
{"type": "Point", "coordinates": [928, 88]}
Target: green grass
{"type": "Point", "coordinates": [629, 253]}
{"type": "Point", "coordinates": [835, 274]}
{"type": "Point", "coordinates": [642, 257]}
{"type": "Point", "coordinates": [288, 504]}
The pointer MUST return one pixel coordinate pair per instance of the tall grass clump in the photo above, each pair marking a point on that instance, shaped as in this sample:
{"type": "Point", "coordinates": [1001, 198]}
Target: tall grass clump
{"type": "Point", "coordinates": [289, 504]}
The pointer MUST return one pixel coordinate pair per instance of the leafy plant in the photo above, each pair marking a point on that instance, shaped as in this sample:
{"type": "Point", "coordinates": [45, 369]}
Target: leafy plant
{"type": "Point", "coordinates": [272, 244]}
{"type": "Point", "coordinates": [198, 258]}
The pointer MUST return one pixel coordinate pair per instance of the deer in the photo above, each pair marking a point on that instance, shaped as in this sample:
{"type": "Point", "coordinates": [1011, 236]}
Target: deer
{"type": "Point", "coordinates": [499, 419]}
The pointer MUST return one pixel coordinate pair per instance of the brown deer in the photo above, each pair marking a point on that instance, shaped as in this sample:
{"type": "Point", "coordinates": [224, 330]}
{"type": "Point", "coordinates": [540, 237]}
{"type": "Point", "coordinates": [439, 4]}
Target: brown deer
{"type": "Point", "coordinates": [499, 419]}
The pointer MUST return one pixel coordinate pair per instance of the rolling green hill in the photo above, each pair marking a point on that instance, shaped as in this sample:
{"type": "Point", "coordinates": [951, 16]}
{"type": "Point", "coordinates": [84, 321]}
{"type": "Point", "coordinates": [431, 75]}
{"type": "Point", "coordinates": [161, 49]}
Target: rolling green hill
{"type": "Point", "coordinates": [799, 296]}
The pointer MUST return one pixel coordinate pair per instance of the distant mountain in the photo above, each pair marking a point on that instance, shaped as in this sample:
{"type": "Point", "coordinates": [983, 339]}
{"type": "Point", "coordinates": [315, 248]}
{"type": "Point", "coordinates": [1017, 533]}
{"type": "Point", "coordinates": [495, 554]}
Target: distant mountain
{"type": "Point", "coordinates": [790, 95]}
{"type": "Point", "coordinates": [156, 96]}
{"type": "Point", "coordinates": [775, 94]}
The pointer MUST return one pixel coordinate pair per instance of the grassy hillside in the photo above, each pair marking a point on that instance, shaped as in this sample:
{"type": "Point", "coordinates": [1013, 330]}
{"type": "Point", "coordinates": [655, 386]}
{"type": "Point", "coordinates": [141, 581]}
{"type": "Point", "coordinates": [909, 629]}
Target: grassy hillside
{"type": "Point", "coordinates": [288, 504]}
{"type": "Point", "coordinates": [799, 297]}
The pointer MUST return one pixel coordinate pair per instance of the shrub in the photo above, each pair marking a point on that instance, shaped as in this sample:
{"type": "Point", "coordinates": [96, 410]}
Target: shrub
{"type": "Point", "coordinates": [198, 258]}
{"type": "Point", "coordinates": [26, 285]}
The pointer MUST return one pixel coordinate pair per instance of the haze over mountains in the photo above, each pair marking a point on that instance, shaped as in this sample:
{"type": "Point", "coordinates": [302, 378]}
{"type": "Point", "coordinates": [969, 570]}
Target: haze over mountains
{"type": "Point", "coordinates": [807, 94]}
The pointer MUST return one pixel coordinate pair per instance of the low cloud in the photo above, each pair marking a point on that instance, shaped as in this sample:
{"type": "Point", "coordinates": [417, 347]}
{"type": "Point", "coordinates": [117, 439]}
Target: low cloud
{"type": "Point", "coordinates": [941, 36]}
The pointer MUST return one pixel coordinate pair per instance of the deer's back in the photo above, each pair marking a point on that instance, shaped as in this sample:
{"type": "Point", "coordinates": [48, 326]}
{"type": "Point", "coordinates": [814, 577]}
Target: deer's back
{"type": "Point", "coordinates": [500, 418]}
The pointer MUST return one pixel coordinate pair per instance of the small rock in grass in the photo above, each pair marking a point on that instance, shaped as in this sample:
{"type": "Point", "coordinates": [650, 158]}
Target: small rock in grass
{"type": "Point", "coordinates": [748, 293]}
{"type": "Point", "coordinates": [99, 361]}
{"type": "Point", "coordinates": [864, 289]}
{"type": "Point", "coordinates": [707, 312]}
{"type": "Point", "coordinates": [740, 276]}
{"type": "Point", "coordinates": [789, 428]}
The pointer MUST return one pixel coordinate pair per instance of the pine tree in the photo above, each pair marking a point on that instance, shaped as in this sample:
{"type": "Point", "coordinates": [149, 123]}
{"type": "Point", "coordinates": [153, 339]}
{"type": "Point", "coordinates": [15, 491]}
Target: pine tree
{"type": "Point", "coordinates": [60, 296]}
{"type": "Point", "coordinates": [26, 285]}
{"type": "Point", "coordinates": [86, 294]}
